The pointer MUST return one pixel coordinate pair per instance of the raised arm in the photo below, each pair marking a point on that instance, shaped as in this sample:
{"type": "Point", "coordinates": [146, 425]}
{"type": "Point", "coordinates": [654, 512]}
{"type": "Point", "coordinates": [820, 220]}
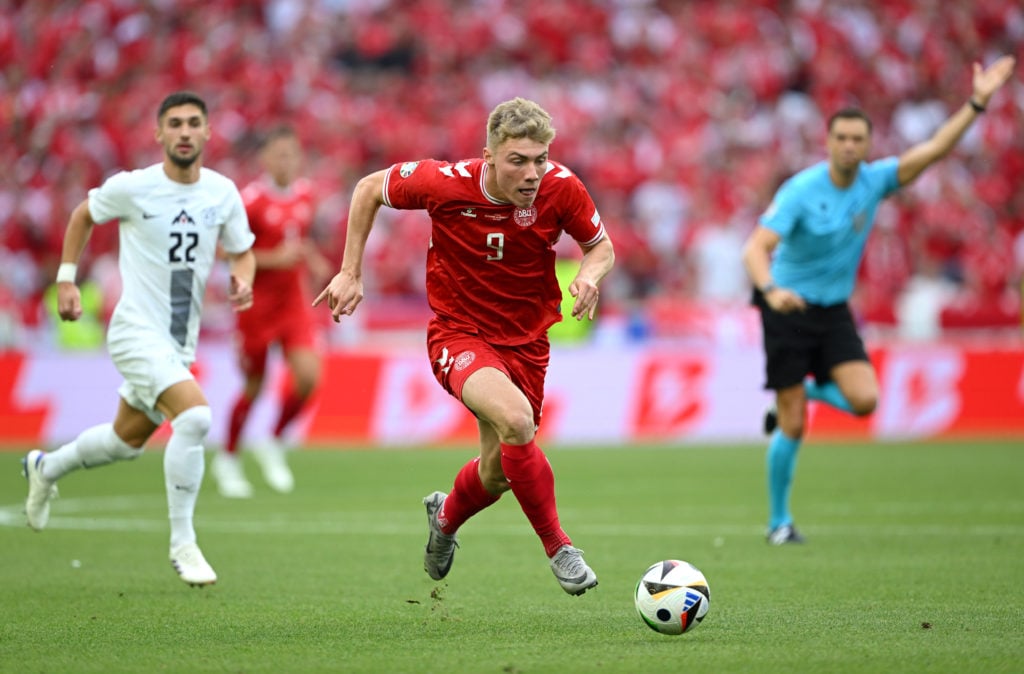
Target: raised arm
{"type": "Point", "coordinates": [986, 82]}
{"type": "Point", "coordinates": [345, 290]}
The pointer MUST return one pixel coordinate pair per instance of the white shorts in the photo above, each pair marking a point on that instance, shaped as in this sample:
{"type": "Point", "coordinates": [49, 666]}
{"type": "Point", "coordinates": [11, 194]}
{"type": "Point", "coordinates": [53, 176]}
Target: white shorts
{"type": "Point", "coordinates": [149, 369]}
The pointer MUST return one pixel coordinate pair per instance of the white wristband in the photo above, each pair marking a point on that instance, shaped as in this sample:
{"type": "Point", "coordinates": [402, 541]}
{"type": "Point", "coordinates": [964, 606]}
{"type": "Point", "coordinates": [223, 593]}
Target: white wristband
{"type": "Point", "coordinates": [66, 272]}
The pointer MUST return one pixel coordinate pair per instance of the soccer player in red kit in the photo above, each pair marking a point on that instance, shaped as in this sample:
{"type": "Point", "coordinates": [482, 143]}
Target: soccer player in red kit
{"type": "Point", "coordinates": [281, 210]}
{"type": "Point", "coordinates": [492, 287]}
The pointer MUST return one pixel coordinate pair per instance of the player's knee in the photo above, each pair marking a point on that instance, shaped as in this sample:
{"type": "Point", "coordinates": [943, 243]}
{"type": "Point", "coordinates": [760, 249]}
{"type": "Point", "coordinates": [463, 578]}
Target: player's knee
{"type": "Point", "coordinates": [792, 418]}
{"type": "Point", "coordinates": [122, 451]}
{"type": "Point", "coordinates": [100, 445]}
{"type": "Point", "coordinates": [306, 384]}
{"type": "Point", "coordinates": [117, 449]}
{"type": "Point", "coordinates": [517, 427]}
{"type": "Point", "coordinates": [194, 423]}
{"type": "Point", "coordinates": [252, 388]}
{"type": "Point", "coordinates": [863, 405]}
{"type": "Point", "coordinates": [792, 429]}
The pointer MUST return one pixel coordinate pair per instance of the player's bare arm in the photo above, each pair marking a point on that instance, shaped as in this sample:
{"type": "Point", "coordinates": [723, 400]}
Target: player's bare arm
{"type": "Point", "coordinates": [757, 259]}
{"type": "Point", "coordinates": [243, 271]}
{"type": "Point", "coordinates": [597, 261]}
{"type": "Point", "coordinates": [79, 229]}
{"type": "Point", "coordinates": [986, 82]}
{"type": "Point", "coordinates": [344, 292]}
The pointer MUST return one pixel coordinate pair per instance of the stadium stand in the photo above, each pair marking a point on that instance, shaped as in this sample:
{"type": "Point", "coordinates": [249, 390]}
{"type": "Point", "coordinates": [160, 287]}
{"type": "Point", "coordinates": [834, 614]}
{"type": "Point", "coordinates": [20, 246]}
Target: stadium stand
{"type": "Point", "coordinates": [681, 117]}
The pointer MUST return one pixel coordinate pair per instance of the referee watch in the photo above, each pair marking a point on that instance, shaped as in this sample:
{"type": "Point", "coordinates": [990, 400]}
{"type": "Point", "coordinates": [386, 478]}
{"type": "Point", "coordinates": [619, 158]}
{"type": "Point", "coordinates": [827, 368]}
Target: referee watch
{"type": "Point", "coordinates": [767, 288]}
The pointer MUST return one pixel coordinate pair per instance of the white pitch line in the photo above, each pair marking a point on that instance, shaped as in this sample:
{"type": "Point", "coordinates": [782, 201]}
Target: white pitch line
{"type": "Point", "coordinates": [380, 523]}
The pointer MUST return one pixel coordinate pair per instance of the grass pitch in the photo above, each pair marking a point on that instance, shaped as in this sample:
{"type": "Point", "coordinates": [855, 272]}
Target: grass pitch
{"type": "Point", "coordinates": [913, 564]}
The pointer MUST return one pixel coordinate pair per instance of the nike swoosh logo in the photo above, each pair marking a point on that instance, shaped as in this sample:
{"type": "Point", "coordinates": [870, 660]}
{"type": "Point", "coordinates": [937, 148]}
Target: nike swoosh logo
{"type": "Point", "coordinates": [429, 548]}
{"type": "Point", "coordinates": [578, 579]}
{"type": "Point", "coordinates": [147, 216]}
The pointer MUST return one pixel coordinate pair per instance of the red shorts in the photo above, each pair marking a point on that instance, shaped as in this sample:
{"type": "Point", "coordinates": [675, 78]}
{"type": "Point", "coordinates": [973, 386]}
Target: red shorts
{"type": "Point", "coordinates": [257, 331]}
{"type": "Point", "coordinates": [454, 355]}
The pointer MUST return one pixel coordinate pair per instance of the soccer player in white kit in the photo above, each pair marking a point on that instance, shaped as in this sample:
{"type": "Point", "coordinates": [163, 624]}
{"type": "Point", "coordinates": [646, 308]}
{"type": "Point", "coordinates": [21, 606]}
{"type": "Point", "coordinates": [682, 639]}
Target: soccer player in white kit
{"type": "Point", "coordinates": [171, 215]}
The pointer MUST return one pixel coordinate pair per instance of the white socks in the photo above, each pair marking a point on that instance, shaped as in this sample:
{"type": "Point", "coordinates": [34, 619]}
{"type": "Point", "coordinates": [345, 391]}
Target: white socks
{"type": "Point", "coordinates": [93, 447]}
{"type": "Point", "coordinates": [184, 463]}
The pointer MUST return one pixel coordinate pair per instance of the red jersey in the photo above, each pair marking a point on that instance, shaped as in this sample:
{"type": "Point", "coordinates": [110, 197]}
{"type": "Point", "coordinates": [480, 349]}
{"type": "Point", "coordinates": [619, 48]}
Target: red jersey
{"type": "Point", "coordinates": [490, 264]}
{"type": "Point", "coordinates": [276, 215]}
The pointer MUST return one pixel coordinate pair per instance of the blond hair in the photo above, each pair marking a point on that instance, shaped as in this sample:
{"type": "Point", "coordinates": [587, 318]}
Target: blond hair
{"type": "Point", "coordinates": [518, 118]}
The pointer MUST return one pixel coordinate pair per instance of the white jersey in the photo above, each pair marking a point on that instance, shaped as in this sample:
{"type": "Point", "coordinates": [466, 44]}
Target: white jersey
{"type": "Point", "coordinates": [168, 235]}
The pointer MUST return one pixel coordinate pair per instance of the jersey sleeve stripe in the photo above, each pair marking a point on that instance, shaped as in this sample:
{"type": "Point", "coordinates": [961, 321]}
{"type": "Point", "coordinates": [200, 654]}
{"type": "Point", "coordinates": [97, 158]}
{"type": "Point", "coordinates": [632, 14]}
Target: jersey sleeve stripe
{"type": "Point", "coordinates": [384, 188]}
{"type": "Point", "coordinates": [597, 237]}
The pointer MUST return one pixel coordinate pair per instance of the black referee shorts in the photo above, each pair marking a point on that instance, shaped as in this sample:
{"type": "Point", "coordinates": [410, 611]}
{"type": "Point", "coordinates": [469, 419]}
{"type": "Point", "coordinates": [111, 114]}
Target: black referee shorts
{"type": "Point", "coordinates": [807, 342]}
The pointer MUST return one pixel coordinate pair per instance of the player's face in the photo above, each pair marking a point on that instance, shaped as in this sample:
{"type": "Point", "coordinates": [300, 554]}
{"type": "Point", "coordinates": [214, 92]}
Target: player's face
{"type": "Point", "coordinates": [519, 164]}
{"type": "Point", "coordinates": [849, 142]}
{"type": "Point", "coordinates": [281, 159]}
{"type": "Point", "coordinates": [183, 132]}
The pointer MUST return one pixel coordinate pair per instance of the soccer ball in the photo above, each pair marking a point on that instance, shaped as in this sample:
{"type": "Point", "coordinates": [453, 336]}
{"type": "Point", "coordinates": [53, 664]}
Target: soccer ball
{"type": "Point", "coordinates": [672, 597]}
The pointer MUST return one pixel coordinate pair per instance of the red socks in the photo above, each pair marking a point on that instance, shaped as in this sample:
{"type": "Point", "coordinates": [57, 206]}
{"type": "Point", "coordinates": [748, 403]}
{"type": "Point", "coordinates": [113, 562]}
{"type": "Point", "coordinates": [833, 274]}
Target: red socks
{"type": "Point", "coordinates": [467, 498]}
{"type": "Point", "coordinates": [290, 408]}
{"type": "Point", "coordinates": [527, 469]}
{"type": "Point", "coordinates": [239, 413]}
{"type": "Point", "coordinates": [529, 473]}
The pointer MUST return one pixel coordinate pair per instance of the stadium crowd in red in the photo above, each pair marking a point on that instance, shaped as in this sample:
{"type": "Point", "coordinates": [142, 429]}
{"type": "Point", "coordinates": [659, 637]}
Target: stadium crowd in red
{"type": "Point", "coordinates": [682, 118]}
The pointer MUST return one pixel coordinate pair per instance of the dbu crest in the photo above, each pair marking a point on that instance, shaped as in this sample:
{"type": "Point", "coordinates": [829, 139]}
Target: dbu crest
{"type": "Point", "coordinates": [524, 217]}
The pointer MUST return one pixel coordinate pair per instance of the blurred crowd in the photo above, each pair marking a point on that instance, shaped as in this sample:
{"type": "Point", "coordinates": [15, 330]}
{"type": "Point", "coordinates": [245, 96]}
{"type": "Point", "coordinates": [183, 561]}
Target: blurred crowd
{"type": "Point", "coordinates": [681, 117]}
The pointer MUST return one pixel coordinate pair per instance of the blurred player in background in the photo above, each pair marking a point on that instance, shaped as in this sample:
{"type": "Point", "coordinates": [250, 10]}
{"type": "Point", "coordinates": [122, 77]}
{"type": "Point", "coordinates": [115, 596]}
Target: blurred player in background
{"type": "Point", "coordinates": [802, 259]}
{"type": "Point", "coordinates": [172, 217]}
{"type": "Point", "coordinates": [492, 287]}
{"type": "Point", "coordinates": [281, 210]}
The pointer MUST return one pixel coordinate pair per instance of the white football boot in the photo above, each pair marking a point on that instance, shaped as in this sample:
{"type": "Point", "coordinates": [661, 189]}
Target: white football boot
{"type": "Point", "coordinates": [40, 490]}
{"type": "Point", "coordinates": [271, 457]}
{"type": "Point", "coordinates": [191, 566]}
{"type": "Point", "coordinates": [227, 471]}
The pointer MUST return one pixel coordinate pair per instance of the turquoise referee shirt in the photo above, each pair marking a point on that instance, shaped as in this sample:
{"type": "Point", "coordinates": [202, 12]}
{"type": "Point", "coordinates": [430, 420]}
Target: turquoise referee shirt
{"type": "Point", "coordinates": [824, 228]}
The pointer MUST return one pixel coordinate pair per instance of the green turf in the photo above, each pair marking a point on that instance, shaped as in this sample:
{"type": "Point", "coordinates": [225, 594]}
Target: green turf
{"type": "Point", "coordinates": [914, 564]}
